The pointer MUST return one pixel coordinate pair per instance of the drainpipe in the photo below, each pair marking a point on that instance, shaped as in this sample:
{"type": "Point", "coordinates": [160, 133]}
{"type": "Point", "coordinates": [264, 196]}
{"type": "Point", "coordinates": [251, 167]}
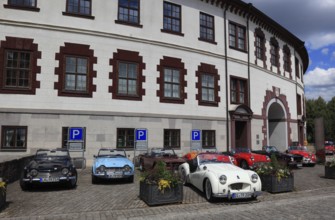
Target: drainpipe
{"type": "Point", "coordinates": [248, 40]}
{"type": "Point", "coordinates": [226, 74]}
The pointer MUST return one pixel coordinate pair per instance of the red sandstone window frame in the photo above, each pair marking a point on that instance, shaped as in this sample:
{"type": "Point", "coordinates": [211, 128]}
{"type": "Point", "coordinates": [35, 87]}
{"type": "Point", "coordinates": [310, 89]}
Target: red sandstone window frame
{"type": "Point", "coordinates": [19, 45]}
{"type": "Point", "coordinates": [236, 38]}
{"type": "Point", "coordinates": [237, 90]}
{"type": "Point", "coordinates": [175, 64]}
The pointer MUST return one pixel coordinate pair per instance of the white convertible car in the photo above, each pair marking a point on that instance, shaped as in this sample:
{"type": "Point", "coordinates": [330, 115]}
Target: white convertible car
{"type": "Point", "coordinates": [216, 176]}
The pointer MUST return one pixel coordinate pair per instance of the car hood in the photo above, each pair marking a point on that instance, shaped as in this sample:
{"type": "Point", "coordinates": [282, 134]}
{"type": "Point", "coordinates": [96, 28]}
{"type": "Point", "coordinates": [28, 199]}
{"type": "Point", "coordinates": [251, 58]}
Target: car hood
{"type": "Point", "coordinates": [112, 162]}
{"type": "Point", "coordinates": [231, 171]}
{"type": "Point", "coordinates": [302, 153]}
{"type": "Point", "coordinates": [257, 157]}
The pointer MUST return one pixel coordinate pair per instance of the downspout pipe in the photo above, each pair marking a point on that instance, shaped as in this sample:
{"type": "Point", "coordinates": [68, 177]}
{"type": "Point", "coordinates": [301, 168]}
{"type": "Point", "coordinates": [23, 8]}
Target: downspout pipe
{"type": "Point", "coordinates": [226, 75]}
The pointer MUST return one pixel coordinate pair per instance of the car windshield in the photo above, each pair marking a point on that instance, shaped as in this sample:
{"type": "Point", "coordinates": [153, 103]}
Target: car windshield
{"type": "Point", "coordinates": [41, 154]}
{"type": "Point", "coordinates": [212, 158]}
{"type": "Point", "coordinates": [111, 153]}
{"type": "Point", "coordinates": [271, 149]}
{"type": "Point", "coordinates": [301, 148]}
{"type": "Point", "coordinates": [162, 152]}
{"type": "Point", "coordinates": [242, 150]}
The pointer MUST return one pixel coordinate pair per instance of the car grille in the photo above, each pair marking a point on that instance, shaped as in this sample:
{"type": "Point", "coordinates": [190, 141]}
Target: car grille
{"type": "Point", "coordinates": [114, 169]}
{"type": "Point", "coordinates": [49, 174]}
{"type": "Point", "coordinates": [236, 186]}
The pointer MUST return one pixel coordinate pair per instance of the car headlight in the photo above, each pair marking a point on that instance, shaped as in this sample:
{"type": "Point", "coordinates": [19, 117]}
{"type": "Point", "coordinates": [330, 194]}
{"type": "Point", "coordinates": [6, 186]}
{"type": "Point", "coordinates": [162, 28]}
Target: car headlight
{"type": "Point", "coordinates": [65, 171]}
{"type": "Point", "coordinates": [33, 172]}
{"type": "Point", "coordinates": [232, 159]}
{"type": "Point", "coordinates": [127, 168]}
{"type": "Point", "coordinates": [223, 179]}
{"type": "Point", "coordinates": [252, 158]}
{"type": "Point", "coordinates": [254, 178]}
{"type": "Point", "coordinates": [268, 158]}
{"type": "Point", "coordinates": [101, 169]}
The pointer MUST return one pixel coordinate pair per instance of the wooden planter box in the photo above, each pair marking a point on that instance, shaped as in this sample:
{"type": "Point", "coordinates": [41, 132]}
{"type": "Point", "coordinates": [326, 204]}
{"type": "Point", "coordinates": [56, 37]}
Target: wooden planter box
{"type": "Point", "coordinates": [272, 185]}
{"type": "Point", "coordinates": [330, 172]}
{"type": "Point", "coordinates": [2, 198]}
{"type": "Point", "coordinates": [151, 195]}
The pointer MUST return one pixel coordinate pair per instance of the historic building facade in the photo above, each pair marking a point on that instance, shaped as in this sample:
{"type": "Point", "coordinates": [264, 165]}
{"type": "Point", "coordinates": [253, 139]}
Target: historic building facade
{"type": "Point", "coordinates": [109, 67]}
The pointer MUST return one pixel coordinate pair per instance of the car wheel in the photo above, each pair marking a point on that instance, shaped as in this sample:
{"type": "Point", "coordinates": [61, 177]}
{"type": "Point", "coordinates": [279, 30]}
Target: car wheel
{"type": "Point", "coordinates": [244, 165]}
{"type": "Point", "coordinates": [131, 179]}
{"type": "Point", "coordinates": [94, 179]}
{"type": "Point", "coordinates": [184, 177]}
{"type": "Point", "coordinates": [208, 190]}
{"type": "Point", "coordinates": [25, 185]}
{"type": "Point", "coordinates": [73, 182]}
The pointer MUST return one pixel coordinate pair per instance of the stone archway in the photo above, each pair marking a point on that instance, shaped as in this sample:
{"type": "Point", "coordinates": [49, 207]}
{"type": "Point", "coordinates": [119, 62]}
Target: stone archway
{"type": "Point", "coordinates": [271, 97]}
{"type": "Point", "coordinates": [277, 125]}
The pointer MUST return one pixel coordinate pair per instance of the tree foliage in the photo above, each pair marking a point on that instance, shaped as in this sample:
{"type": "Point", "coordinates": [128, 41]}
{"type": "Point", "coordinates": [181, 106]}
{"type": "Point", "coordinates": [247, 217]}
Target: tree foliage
{"type": "Point", "coordinates": [319, 108]}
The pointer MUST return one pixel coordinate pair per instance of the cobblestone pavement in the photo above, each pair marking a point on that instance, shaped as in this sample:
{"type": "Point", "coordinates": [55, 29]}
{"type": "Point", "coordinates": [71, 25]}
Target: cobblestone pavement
{"type": "Point", "coordinates": [313, 198]}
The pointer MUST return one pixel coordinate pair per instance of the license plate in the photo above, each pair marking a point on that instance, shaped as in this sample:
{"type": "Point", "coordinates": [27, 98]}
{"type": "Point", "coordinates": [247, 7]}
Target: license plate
{"type": "Point", "coordinates": [49, 180]}
{"type": "Point", "coordinates": [299, 165]}
{"type": "Point", "coordinates": [241, 195]}
{"type": "Point", "coordinates": [115, 174]}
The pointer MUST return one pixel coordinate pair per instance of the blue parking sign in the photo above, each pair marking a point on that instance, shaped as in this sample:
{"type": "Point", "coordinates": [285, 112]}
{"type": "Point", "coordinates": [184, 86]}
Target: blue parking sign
{"type": "Point", "coordinates": [76, 134]}
{"type": "Point", "coordinates": [141, 134]}
{"type": "Point", "coordinates": [196, 135]}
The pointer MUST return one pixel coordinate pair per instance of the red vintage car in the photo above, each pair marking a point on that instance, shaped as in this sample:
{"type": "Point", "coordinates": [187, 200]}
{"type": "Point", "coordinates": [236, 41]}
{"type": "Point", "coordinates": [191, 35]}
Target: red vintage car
{"type": "Point", "coordinates": [309, 159]}
{"type": "Point", "coordinates": [327, 151]}
{"type": "Point", "coordinates": [148, 161]}
{"type": "Point", "coordinates": [248, 160]}
{"type": "Point", "coordinates": [217, 156]}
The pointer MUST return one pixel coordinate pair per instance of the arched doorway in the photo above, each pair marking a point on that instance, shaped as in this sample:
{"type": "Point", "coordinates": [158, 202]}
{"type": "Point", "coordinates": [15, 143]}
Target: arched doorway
{"type": "Point", "coordinates": [277, 125]}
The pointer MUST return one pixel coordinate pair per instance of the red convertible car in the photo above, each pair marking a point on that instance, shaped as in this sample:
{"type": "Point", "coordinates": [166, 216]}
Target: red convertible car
{"type": "Point", "coordinates": [248, 160]}
{"type": "Point", "coordinates": [148, 161]}
{"type": "Point", "coordinates": [309, 159]}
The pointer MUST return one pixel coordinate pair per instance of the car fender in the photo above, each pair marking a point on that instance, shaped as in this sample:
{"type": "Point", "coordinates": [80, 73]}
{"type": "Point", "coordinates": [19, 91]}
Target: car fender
{"type": "Point", "coordinates": [184, 166]}
{"type": "Point", "coordinates": [213, 179]}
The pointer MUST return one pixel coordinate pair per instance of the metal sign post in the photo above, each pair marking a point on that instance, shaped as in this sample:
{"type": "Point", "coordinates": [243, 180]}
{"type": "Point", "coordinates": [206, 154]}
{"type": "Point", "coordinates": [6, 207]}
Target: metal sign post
{"type": "Point", "coordinates": [76, 143]}
{"type": "Point", "coordinates": [196, 142]}
{"type": "Point", "coordinates": [141, 141]}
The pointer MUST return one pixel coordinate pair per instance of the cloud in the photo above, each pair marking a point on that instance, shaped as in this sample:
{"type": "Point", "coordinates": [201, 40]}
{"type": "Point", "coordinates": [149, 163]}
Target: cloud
{"type": "Point", "coordinates": [320, 82]}
{"type": "Point", "coordinates": [325, 51]}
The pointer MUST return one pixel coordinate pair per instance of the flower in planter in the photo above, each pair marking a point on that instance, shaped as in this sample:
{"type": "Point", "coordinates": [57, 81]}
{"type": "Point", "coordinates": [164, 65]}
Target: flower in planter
{"type": "Point", "coordinates": [275, 169]}
{"type": "Point", "coordinates": [161, 176]}
{"type": "Point", "coordinates": [2, 186]}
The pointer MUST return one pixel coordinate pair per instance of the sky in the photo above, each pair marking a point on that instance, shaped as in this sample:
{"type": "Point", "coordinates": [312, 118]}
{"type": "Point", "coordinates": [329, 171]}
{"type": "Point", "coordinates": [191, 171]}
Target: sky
{"type": "Point", "coordinates": [312, 21]}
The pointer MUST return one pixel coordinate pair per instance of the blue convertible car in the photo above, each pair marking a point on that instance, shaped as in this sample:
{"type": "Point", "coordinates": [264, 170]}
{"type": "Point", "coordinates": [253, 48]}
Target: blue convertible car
{"type": "Point", "coordinates": [112, 164]}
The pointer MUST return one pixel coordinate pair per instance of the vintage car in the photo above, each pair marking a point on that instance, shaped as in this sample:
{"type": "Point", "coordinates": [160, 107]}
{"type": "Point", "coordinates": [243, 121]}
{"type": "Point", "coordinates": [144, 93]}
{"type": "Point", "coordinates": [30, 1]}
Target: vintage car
{"type": "Point", "coordinates": [224, 157]}
{"type": "Point", "coordinates": [219, 178]}
{"type": "Point", "coordinates": [325, 153]}
{"type": "Point", "coordinates": [309, 159]}
{"type": "Point", "coordinates": [112, 164]}
{"type": "Point", "coordinates": [248, 160]}
{"type": "Point", "coordinates": [49, 166]}
{"type": "Point", "coordinates": [149, 160]}
{"type": "Point", "coordinates": [291, 160]}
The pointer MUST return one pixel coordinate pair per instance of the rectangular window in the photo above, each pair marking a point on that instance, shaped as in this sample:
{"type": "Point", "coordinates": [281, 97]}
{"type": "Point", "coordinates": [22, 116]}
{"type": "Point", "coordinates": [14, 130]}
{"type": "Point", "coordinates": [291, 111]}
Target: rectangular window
{"type": "Point", "coordinates": [172, 17]}
{"type": "Point", "coordinates": [68, 144]}
{"type": "Point", "coordinates": [82, 7]}
{"type": "Point", "coordinates": [208, 138]}
{"type": "Point", "coordinates": [125, 137]}
{"type": "Point", "coordinates": [127, 78]}
{"type": "Point", "coordinates": [297, 68]}
{"type": "Point", "coordinates": [172, 138]}
{"type": "Point", "coordinates": [207, 88]}
{"type": "Point", "coordinates": [17, 69]}
{"type": "Point", "coordinates": [259, 47]}
{"type": "Point", "coordinates": [76, 74]}
{"type": "Point", "coordinates": [238, 91]}
{"type": "Point", "coordinates": [14, 138]}
{"type": "Point", "coordinates": [129, 11]}
{"type": "Point", "coordinates": [299, 104]}
{"type": "Point", "coordinates": [171, 83]}
{"type": "Point", "coordinates": [206, 27]}
{"type": "Point", "coordinates": [23, 3]}
{"type": "Point", "coordinates": [274, 55]}
{"type": "Point", "coordinates": [237, 36]}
